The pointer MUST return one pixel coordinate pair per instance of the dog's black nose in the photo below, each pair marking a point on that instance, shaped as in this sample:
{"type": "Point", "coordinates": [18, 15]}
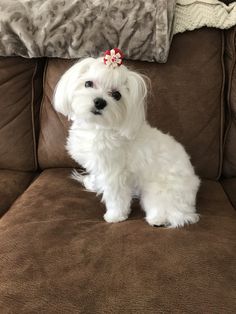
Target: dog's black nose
{"type": "Point", "coordinates": [100, 103]}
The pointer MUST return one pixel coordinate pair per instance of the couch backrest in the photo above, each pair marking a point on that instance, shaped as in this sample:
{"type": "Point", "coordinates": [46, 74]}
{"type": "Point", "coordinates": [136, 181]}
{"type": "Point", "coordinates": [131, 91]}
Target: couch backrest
{"type": "Point", "coordinates": [186, 101]}
{"type": "Point", "coordinates": [229, 167]}
{"type": "Point", "coordinates": [20, 95]}
{"type": "Point", "coordinates": [53, 126]}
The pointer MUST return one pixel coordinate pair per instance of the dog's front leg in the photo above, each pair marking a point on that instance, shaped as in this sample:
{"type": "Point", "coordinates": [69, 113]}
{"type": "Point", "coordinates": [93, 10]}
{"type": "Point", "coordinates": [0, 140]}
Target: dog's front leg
{"type": "Point", "coordinates": [117, 200]}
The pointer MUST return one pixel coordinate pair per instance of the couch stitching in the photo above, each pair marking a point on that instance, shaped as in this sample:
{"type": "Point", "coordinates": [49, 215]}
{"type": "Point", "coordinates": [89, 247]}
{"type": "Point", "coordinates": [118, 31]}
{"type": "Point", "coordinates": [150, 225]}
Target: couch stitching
{"type": "Point", "coordinates": [222, 113]}
{"type": "Point", "coordinates": [229, 105]}
{"type": "Point", "coordinates": [32, 115]}
{"type": "Point", "coordinates": [42, 102]}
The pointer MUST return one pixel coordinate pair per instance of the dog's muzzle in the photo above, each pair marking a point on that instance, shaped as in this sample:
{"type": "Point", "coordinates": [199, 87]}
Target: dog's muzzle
{"type": "Point", "coordinates": [99, 104]}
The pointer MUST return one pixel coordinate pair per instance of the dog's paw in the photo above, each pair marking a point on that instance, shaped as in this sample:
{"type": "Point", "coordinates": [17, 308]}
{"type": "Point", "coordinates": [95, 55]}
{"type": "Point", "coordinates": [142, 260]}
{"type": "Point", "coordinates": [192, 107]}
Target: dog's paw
{"type": "Point", "coordinates": [173, 220]}
{"type": "Point", "coordinates": [114, 217]}
{"type": "Point", "coordinates": [179, 219]}
{"type": "Point", "coordinates": [157, 220]}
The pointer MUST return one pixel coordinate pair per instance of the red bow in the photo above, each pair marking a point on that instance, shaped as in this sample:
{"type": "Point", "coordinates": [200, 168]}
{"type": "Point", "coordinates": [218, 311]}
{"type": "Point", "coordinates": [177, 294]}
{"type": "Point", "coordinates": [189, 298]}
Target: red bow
{"type": "Point", "coordinates": [113, 57]}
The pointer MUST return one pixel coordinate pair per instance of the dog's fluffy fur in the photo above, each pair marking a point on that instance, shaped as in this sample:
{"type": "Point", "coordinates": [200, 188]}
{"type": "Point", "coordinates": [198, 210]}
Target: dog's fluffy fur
{"type": "Point", "coordinates": [124, 156]}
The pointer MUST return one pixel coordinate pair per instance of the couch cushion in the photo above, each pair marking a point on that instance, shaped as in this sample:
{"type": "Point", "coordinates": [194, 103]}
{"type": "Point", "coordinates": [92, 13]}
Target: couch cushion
{"type": "Point", "coordinates": [229, 185]}
{"type": "Point", "coordinates": [57, 255]}
{"type": "Point", "coordinates": [229, 169]}
{"type": "Point", "coordinates": [53, 126]}
{"type": "Point", "coordinates": [186, 101]}
{"type": "Point", "coordinates": [20, 95]}
{"type": "Point", "coordinates": [12, 184]}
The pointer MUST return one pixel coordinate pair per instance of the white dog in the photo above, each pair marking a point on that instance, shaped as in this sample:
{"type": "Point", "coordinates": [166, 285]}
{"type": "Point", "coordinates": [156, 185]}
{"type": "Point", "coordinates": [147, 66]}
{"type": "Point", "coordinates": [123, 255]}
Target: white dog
{"type": "Point", "coordinates": [123, 155]}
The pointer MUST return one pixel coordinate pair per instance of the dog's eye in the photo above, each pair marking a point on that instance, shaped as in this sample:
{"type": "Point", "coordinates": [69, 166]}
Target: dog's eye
{"type": "Point", "coordinates": [88, 84]}
{"type": "Point", "coordinates": [116, 95]}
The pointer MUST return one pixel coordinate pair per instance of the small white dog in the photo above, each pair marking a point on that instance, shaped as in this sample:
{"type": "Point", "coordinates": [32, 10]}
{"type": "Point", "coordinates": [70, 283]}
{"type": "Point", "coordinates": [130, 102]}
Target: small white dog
{"type": "Point", "coordinates": [123, 155]}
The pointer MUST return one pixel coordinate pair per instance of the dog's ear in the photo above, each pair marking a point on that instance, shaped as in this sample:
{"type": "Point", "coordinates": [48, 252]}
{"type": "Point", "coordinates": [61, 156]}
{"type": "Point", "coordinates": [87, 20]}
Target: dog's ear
{"type": "Point", "coordinates": [136, 108]}
{"type": "Point", "coordinates": [64, 91]}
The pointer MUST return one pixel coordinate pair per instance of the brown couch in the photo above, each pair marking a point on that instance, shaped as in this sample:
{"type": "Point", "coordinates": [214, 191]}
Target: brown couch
{"type": "Point", "coordinates": [58, 255]}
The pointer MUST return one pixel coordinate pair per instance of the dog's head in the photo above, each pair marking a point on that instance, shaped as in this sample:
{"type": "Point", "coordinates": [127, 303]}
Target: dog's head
{"type": "Point", "coordinates": [91, 92]}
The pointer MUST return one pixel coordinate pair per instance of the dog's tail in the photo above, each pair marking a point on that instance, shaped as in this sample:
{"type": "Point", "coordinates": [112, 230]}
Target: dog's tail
{"type": "Point", "coordinates": [86, 180]}
{"type": "Point", "coordinates": [77, 176]}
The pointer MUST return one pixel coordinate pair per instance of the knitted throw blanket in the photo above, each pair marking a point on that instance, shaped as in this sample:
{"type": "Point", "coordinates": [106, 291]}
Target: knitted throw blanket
{"type": "Point", "coordinates": [80, 28]}
{"type": "Point", "coordinates": [192, 14]}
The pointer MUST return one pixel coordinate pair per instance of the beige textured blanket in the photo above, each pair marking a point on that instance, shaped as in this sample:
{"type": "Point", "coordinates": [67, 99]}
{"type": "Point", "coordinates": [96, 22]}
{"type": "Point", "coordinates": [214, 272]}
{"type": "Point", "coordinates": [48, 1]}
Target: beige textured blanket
{"type": "Point", "coordinates": [80, 28]}
{"type": "Point", "coordinates": [192, 14]}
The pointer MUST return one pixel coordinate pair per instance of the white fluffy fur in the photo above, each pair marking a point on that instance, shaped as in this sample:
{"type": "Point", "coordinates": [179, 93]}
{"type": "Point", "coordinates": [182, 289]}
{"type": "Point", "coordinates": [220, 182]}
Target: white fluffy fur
{"type": "Point", "coordinates": [123, 155]}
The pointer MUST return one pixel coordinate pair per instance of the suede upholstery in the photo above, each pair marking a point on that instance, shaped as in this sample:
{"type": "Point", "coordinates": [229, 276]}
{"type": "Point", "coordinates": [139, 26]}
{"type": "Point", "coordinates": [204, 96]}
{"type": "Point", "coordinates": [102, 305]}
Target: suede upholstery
{"type": "Point", "coordinates": [12, 184]}
{"type": "Point", "coordinates": [171, 109]}
{"type": "Point", "coordinates": [229, 186]}
{"type": "Point", "coordinates": [63, 258]}
{"type": "Point", "coordinates": [20, 96]}
{"type": "Point", "coordinates": [58, 255]}
{"type": "Point", "coordinates": [229, 169]}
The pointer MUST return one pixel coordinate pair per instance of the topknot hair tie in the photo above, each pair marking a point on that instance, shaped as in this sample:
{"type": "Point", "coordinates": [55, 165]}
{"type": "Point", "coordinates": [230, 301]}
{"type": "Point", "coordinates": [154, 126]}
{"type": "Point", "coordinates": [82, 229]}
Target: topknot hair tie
{"type": "Point", "coordinates": [113, 57]}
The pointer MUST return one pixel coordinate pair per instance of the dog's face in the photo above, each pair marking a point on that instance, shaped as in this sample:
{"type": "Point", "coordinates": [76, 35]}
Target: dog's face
{"type": "Point", "coordinates": [92, 93]}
